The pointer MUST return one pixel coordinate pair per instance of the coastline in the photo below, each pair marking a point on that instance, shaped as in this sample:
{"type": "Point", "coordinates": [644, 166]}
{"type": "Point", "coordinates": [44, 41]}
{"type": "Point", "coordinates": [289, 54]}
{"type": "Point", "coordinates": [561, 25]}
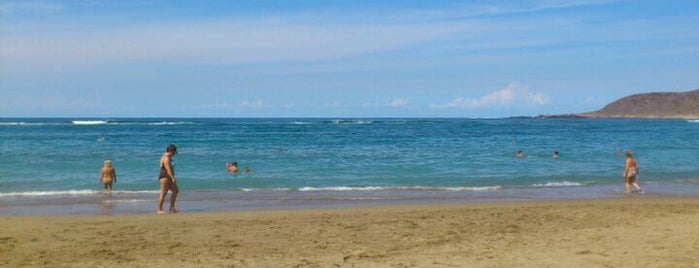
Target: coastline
{"type": "Point", "coordinates": [564, 233]}
{"type": "Point", "coordinates": [124, 202]}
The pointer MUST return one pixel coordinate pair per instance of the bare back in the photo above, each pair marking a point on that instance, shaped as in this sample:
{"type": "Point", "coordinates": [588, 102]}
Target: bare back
{"type": "Point", "coordinates": [631, 167]}
{"type": "Point", "coordinates": [108, 172]}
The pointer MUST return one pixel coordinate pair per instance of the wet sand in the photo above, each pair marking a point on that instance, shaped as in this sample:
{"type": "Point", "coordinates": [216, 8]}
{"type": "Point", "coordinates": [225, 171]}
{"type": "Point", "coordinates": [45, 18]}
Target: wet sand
{"type": "Point", "coordinates": [633, 232]}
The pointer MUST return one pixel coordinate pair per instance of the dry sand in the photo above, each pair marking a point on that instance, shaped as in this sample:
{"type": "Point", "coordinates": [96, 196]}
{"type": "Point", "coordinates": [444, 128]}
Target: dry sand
{"type": "Point", "coordinates": [632, 232]}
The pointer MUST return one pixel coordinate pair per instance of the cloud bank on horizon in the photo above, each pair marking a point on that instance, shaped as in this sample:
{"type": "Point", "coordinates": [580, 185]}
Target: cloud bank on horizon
{"type": "Point", "coordinates": [338, 59]}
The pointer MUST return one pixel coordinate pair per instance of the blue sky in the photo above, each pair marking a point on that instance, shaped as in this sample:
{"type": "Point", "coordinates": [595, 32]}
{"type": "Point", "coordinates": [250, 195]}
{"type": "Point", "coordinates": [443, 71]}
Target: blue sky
{"type": "Point", "coordinates": [339, 58]}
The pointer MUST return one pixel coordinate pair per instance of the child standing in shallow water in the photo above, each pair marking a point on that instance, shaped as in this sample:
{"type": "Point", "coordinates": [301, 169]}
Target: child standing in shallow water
{"type": "Point", "coordinates": [108, 175]}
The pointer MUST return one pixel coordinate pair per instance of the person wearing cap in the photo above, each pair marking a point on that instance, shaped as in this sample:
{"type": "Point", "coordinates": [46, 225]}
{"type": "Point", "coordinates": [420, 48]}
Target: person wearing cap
{"type": "Point", "coordinates": [108, 175]}
{"type": "Point", "coordinates": [167, 180]}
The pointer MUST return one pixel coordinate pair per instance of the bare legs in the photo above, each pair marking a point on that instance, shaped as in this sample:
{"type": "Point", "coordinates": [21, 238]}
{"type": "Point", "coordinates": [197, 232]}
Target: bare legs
{"type": "Point", "coordinates": [175, 190]}
{"type": "Point", "coordinates": [165, 186]}
{"type": "Point", "coordinates": [638, 188]}
{"type": "Point", "coordinates": [627, 187]}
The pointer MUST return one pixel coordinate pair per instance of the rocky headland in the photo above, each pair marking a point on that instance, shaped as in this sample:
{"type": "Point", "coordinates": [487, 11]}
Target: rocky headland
{"type": "Point", "coordinates": [670, 105]}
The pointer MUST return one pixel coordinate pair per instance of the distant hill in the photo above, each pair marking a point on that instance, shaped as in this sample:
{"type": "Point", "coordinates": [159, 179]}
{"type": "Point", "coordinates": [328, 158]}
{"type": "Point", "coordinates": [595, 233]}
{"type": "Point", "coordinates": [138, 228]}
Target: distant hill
{"type": "Point", "coordinates": [652, 105]}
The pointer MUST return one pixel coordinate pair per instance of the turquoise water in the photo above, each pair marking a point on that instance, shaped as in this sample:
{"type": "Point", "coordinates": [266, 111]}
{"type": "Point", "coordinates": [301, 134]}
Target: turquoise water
{"type": "Point", "coordinates": [44, 161]}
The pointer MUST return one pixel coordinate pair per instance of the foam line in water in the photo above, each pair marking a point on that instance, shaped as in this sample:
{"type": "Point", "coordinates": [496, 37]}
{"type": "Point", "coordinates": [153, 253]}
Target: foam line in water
{"type": "Point", "coordinates": [558, 184]}
{"type": "Point", "coordinates": [398, 188]}
{"type": "Point", "coordinates": [70, 192]}
{"type": "Point", "coordinates": [30, 124]}
{"type": "Point", "coordinates": [49, 193]}
{"type": "Point", "coordinates": [89, 122]}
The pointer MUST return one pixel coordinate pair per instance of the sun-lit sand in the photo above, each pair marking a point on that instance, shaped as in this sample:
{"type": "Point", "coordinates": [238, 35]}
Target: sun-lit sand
{"type": "Point", "coordinates": [639, 231]}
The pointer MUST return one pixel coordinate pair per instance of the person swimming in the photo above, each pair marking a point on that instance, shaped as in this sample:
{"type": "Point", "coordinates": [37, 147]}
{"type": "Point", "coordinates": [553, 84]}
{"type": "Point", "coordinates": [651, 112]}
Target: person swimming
{"type": "Point", "coordinates": [232, 167]}
{"type": "Point", "coordinates": [520, 154]}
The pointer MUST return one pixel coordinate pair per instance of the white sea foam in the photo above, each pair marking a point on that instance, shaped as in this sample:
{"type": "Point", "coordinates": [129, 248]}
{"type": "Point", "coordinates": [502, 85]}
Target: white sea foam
{"type": "Point", "coordinates": [166, 123]}
{"type": "Point", "coordinates": [29, 124]}
{"type": "Point", "coordinates": [49, 193]}
{"type": "Point", "coordinates": [398, 188]}
{"type": "Point", "coordinates": [70, 192]}
{"type": "Point", "coordinates": [357, 122]}
{"type": "Point", "coordinates": [136, 192]}
{"type": "Point", "coordinates": [558, 184]}
{"type": "Point", "coordinates": [341, 189]}
{"type": "Point", "coordinates": [128, 201]}
{"type": "Point", "coordinates": [475, 189]}
{"type": "Point", "coordinates": [89, 122]}
{"type": "Point", "coordinates": [262, 189]}
{"type": "Point", "coordinates": [107, 122]}
{"type": "Point", "coordinates": [693, 121]}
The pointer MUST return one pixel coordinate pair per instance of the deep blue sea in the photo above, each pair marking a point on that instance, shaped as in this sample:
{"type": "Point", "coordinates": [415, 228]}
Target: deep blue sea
{"type": "Point", "coordinates": [52, 165]}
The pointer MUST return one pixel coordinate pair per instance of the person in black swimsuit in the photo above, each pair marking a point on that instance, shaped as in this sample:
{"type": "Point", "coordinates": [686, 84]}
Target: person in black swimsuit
{"type": "Point", "coordinates": [167, 180]}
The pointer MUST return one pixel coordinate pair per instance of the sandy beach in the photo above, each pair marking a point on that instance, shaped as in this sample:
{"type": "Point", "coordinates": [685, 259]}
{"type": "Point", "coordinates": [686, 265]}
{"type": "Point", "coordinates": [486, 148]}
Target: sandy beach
{"type": "Point", "coordinates": [637, 231]}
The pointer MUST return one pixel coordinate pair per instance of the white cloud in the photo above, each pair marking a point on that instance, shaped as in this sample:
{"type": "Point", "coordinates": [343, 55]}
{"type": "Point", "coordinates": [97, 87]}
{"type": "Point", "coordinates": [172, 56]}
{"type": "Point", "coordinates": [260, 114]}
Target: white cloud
{"type": "Point", "coordinates": [400, 102]}
{"type": "Point", "coordinates": [298, 37]}
{"type": "Point", "coordinates": [514, 94]}
{"type": "Point", "coordinates": [222, 41]}
{"type": "Point", "coordinates": [259, 104]}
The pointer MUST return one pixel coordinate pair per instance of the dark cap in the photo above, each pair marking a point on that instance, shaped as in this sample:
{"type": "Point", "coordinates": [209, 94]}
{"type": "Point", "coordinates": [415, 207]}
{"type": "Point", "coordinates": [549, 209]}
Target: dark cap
{"type": "Point", "coordinates": [171, 149]}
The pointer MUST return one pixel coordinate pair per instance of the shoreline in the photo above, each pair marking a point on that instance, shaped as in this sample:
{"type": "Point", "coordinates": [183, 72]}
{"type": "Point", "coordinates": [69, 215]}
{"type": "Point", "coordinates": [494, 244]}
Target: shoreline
{"type": "Point", "coordinates": [564, 233]}
{"type": "Point", "coordinates": [88, 202]}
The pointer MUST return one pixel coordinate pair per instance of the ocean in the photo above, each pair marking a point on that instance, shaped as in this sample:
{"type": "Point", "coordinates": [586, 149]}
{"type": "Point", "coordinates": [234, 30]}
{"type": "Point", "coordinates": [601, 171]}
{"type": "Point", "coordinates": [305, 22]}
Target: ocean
{"type": "Point", "coordinates": [52, 165]}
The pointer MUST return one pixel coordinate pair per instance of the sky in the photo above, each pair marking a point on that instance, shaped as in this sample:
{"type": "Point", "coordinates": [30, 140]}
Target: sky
{"type": "Point", "coordinates": [329, 58]}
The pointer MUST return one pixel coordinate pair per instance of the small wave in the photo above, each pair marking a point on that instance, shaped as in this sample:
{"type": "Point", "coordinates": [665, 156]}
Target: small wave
{"type": "Point", "coordinates": [166, 123]}
{"type": "Point", "coordinates": [128, 201]}
{"type": "Point", "coordinates": [136, 192]}
{"type": "Point", "coordinates": [399, 188]}
{"type": "Point", "coordinates": [264, 190]}
{"type": "Point", "coordinates": [49, 193]}
{"type": "Point", "coordinates": [89, 122]}
{"type": "Point", "coordinates": [558, 184]}
{"type": "Point", "coordinates": [341, 189]}
{"type": "Point", "coordinates": [29, 124]}
{"type": "Point", "coordinates": [71, 192]}
{"type": "Point", "coordinates": [107, 122]}
{"type": "Point", "coordinates": [355, 122]}
{"type": "Point", "coordinates": [692, 181]}
{"type": "Point", "coordinates": [693, 121]}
